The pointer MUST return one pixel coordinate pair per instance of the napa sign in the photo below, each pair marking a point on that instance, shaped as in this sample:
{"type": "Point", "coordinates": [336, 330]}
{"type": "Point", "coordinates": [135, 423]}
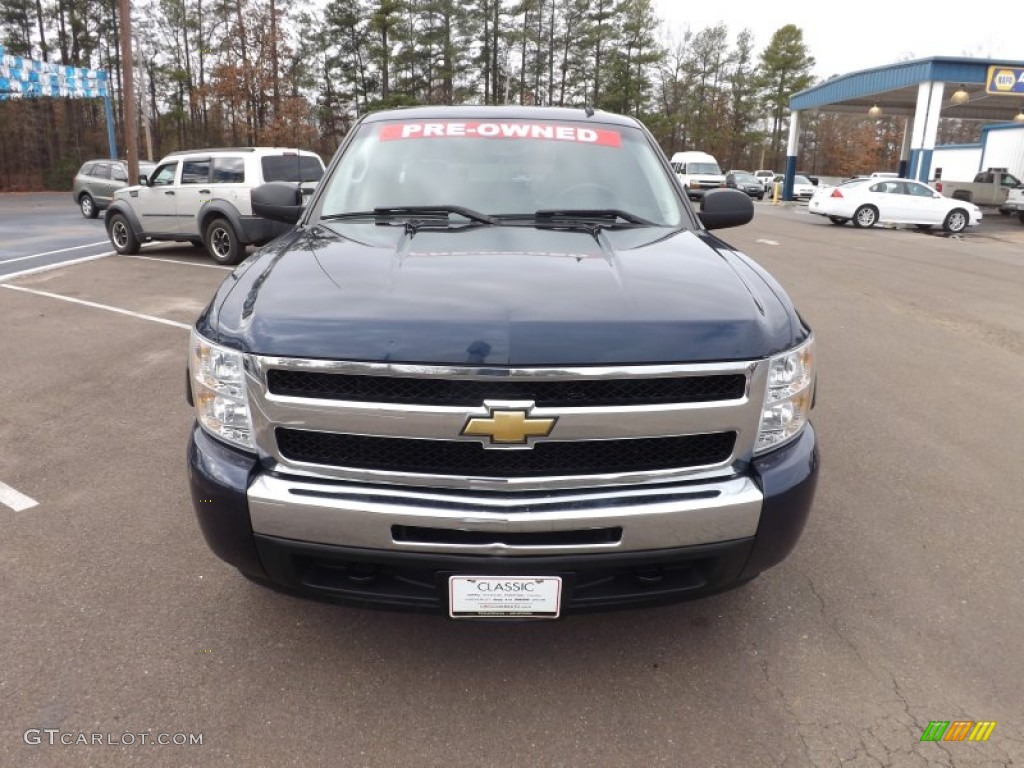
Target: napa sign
{"type": "Point", "coordinates": [1002, 79]}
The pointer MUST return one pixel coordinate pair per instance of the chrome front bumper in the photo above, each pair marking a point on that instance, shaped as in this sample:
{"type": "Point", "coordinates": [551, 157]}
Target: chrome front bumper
{"type": "Point", "coordinates": [651, 517]}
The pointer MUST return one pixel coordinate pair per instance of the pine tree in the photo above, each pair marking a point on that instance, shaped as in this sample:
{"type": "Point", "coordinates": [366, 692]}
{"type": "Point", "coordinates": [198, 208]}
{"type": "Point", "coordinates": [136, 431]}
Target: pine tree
{"type": "Point", "coordinates": [785, 70]}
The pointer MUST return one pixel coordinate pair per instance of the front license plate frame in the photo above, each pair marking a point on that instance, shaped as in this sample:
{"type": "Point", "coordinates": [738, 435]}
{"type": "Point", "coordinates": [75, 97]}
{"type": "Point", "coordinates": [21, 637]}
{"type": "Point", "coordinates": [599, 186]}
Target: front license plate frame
{"type": "Point", "coordinates": [499, 597]}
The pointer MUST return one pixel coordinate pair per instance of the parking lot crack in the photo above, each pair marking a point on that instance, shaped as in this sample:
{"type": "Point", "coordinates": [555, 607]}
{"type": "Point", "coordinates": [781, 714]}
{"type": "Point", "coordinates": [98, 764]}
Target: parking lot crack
{"type": "Point", "coordinates": [825, 614]}
{"type": "Point", "coordinates": [763, 664]}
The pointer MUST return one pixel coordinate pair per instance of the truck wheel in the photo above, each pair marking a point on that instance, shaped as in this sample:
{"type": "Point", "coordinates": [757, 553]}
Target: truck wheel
{"type": "Point", "coordinates": [1021, 217]}
{"type": "Point", "coordinates": [88, 206]}
{"type": "Point", "coordinates": [121, 235]}
{"type": "Point", "coordinates": [865, 216]}
{"type": "Point", "coordinates": [222, 243]}
{"type": "Point", "coordinates": [838, 220]}
{"type": "Point", "coordinates": [956, 220]}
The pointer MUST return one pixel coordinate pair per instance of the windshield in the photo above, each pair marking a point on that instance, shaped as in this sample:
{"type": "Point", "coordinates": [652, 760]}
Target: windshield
{"type": "Point", "coordinates": [801, 180]}
{"type": "Point", "coordinates": [502, 167]}
{"type": "Point", "coordinates": [745, 178]}
{"type": "Point", "coordinates": [709, 168]}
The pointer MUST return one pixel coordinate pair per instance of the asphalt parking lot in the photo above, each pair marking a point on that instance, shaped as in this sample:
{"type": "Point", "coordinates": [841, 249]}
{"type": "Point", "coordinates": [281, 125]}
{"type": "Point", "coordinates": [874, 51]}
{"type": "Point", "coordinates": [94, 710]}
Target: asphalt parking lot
{"type": "Point", "coordinates": [902, 604]}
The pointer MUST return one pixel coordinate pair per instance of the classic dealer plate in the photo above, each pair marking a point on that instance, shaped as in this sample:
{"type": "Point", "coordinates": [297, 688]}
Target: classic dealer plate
{"type": "Point", "coordinates": [538, 597]}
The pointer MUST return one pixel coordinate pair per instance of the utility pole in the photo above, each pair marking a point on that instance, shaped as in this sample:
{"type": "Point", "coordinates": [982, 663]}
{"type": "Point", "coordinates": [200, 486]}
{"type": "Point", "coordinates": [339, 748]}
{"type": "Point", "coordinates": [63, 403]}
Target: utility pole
{"type": "Point", "coordinates": [145, 104]}
{"type": "Point", "coordinates": [131, 131]}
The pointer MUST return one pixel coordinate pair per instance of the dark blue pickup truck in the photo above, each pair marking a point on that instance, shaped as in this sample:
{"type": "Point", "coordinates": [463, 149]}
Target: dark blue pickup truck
{"type": "Point", "coordinates": [501, 368]}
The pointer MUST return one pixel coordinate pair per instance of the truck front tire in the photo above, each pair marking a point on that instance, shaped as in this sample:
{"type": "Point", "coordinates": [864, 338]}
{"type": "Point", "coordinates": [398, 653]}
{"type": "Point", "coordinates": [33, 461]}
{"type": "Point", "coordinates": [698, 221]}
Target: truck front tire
{"type": "Point", "coordinates": [121, 235]}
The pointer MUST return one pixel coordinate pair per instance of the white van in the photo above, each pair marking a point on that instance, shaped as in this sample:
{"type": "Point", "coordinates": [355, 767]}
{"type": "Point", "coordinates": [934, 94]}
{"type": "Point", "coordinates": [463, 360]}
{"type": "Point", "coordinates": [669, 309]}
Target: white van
{"type": "Point", "coordinates": [697, 172]}
{"type": "Point", "coordinates": [766, 177]}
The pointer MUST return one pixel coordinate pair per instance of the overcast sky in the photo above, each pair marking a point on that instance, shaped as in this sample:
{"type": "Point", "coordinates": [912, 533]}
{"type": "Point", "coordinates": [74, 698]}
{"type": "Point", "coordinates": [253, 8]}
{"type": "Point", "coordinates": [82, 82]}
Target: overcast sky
{"type": "Point", "coordinates": [847, 36]}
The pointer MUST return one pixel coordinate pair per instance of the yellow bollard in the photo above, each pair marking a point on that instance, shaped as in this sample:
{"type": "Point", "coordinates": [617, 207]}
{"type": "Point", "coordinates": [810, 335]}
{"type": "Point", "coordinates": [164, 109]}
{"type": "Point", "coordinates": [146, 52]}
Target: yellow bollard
{"type": "Point", "coordinates": [775, 193]}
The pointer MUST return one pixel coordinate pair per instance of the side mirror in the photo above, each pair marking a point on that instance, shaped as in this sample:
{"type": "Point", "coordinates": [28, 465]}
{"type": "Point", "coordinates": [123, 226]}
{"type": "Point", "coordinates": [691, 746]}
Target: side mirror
{"type": "Point", "coordinates": [143, 180]}
{"type": "Point", "coordinates": [721, 208]}
{"type": "Point", "coordinates": [278, 201]}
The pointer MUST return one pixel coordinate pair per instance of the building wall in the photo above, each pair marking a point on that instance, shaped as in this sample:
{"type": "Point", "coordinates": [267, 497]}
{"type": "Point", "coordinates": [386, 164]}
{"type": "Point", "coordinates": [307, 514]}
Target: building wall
{"type": "Point", "coordinates": [959, 162]}
{"type": "Point", "coordinates": [1004, 148]}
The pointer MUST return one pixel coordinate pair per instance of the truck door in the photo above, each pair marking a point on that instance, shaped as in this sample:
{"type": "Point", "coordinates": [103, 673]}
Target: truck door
{"type": "Point", "coordinates": [156, 206]}
{"type": "Point", "coordinates": [229, 183]}
{"type": "Point", "coordinates": [193, 191]}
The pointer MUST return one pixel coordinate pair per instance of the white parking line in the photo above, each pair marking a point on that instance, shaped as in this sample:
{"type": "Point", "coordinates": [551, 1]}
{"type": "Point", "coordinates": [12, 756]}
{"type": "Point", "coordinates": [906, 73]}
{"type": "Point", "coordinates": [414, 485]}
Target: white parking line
{"type": "Point", "coordinates": [93, 304]}
{"type": "Point", "coordinates": [177, 261]}
{"type": "Point", "coordinates": [58, 265]}
{"type": "Point", "coordinates": [50, 253]}
{"type": "Point", "coordinates": [61, 264]}
{"type": "Point", "coordinates": [14, 499]}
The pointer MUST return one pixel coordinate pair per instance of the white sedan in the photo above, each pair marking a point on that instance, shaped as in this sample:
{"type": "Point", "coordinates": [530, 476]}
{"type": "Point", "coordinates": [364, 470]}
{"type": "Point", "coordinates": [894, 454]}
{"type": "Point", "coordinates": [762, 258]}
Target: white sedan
{"type": "Point", "coordinates": [867, 202]}
{"type": "Point", "coordinates": [803, 189]}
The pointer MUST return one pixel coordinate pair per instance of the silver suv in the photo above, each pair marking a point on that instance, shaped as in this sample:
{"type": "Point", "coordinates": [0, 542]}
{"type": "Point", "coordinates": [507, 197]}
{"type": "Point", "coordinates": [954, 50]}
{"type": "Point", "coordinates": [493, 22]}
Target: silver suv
{"type": "Point", "coordinates": [202, 197]}
{"type": "Point", "coordinates": [98, 180]}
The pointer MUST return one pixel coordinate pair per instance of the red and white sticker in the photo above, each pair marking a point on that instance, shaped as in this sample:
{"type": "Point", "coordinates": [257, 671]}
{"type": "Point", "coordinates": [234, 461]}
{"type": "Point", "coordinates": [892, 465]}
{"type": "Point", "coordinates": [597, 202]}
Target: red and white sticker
{"type": "Point", "coordinates": [443, 129]}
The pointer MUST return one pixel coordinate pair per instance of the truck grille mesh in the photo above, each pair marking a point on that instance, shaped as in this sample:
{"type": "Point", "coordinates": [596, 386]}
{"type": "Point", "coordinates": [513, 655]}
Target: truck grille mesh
{"type": "Point", "coordinates": [472, 392]}
{"type": "Point", "coordinates": [450, 457]}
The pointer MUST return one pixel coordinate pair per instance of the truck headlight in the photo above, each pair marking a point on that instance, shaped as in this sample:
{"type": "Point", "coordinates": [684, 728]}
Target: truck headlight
{"type": "Point", "coordinates": [788, 398]}
{"type": "Point", "coordinates": [218, 388]}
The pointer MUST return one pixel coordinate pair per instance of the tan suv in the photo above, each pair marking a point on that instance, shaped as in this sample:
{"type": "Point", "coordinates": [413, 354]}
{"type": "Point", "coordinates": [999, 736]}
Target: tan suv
{"type": "Point", "coordinates": [202, 197]}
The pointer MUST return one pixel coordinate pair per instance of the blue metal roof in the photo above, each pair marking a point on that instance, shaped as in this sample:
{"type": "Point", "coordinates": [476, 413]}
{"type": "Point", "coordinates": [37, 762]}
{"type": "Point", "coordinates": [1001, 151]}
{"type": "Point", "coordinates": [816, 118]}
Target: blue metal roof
{"type": "Point", "coordinates": [1002, 127]}
{"type": "Point", "coordinates": [891, 77]}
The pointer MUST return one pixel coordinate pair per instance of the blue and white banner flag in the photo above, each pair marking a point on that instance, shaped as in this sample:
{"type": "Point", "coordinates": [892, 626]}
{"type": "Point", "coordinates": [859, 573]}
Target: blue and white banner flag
{"type": "Point", "coordinates": [21, 76]}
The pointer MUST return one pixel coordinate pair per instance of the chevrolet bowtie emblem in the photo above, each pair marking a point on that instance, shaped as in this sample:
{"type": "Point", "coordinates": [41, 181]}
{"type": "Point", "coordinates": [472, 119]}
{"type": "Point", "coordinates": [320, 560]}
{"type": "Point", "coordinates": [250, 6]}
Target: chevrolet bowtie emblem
{"type": "Point", "coordinates": [508, 426]}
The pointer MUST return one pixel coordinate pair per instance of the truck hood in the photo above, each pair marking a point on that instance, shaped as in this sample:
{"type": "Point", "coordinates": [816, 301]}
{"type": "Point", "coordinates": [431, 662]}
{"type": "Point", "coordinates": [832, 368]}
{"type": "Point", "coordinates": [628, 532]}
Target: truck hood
{"type": "Point", "coordinates": [503, 296]}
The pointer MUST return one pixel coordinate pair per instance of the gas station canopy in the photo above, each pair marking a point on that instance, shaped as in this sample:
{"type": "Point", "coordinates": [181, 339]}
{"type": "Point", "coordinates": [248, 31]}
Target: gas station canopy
{"type": "Point", "coordinates": [895, 88]}
{"type": "Point", "coordinates": [924, 90]}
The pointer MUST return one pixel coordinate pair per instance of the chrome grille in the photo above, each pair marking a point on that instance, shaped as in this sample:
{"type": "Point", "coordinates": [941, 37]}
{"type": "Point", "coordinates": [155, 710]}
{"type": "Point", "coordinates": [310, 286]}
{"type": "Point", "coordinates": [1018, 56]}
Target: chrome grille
{"type": "Point", "coordinates": [440, 391]}
{"type": "Point", "coordinates": [403, 423]}
{"type": "Point", "coordinates": [450, 457]}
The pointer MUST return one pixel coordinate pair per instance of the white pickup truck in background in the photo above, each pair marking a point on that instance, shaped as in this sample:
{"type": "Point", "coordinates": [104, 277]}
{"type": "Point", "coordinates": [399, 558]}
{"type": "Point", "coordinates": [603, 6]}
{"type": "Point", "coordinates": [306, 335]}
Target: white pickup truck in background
{"type": "Point", "coordinates": [991, 187]}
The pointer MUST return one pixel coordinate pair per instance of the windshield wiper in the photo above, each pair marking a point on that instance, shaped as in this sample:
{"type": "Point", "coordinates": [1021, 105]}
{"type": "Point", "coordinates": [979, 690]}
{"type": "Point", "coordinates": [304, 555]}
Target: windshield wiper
{"type": "Point", "coordinates": [436, 210]}
{"type": "Point", "coordinates": [417, 216]}
{"type": "Point", "coordinates": [598, 216]}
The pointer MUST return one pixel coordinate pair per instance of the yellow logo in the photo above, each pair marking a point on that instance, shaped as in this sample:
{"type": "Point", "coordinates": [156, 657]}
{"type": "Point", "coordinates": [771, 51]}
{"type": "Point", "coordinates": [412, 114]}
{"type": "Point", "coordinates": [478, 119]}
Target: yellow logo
{"type": "Point", "coordinates": [1004, 80]}
{"type": "Point", "coordinates": [508, 426]}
